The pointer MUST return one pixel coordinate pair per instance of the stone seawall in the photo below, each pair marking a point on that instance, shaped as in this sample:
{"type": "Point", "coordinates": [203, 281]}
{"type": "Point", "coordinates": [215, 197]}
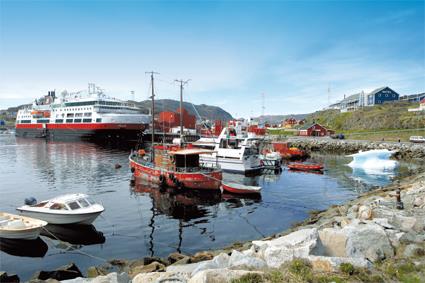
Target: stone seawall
{"type": "Point", "coordinates": [404, 150]}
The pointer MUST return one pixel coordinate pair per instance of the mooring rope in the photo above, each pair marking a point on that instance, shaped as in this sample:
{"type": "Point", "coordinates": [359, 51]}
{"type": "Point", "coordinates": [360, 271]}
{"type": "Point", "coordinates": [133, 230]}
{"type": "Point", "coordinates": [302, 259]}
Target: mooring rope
{"type": "Point", "coordinates": [70, 246]}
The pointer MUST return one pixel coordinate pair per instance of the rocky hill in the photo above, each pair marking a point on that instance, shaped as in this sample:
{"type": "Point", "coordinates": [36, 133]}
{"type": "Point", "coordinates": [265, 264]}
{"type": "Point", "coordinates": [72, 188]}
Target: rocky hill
{"type": "Point", "coordinates": [275, 119]}
{"type": "Point", "coordinates": [205, 111]}
{"type": "Point", "coordinates": [380, 117]}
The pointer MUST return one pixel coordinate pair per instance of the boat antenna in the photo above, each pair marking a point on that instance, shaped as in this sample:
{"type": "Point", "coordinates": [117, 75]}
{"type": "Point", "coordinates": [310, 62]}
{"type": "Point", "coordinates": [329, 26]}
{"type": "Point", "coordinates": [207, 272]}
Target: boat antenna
{"type": "Point", "coordinates": [182, 83]}
{"type": "Point", "coordinates": [152, 114]}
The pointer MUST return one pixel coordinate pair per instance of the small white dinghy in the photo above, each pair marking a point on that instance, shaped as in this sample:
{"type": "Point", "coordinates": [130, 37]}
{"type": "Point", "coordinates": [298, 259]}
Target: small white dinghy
{"type": "Point", "coordinates": [65, 209]}
{"type": "Point", "coordinates": [20, 227]}
{"type": "Point", "coordinates": [236, 188]}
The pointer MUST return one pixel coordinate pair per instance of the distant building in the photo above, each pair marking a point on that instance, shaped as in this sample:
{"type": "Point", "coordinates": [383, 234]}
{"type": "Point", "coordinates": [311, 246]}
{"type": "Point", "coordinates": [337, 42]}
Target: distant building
{"type": "Point", "coordinates": [315, 130]}
{"type": "Point", "coordinates": [168, 120]}
{"type": "Point", "coordinates": [352, 102]}
{"type": "Point", "coordinates": [413, 97]}
{"type": "Point", "coordinates": [382, 95]}
{"type": "Point", "coordinates": [358, 100]}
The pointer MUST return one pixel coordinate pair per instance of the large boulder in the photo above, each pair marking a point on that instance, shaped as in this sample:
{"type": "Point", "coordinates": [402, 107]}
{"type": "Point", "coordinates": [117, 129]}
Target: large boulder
{"type": "Point", "coordinates": [298, 244]}
{"type": "Point", "coordinates": [367, 240]}
{"type": "Point", "coordinates": [238, 259]}
{"type": "Point", "coordinates": [163, 277]}
{"type": "Point", "coordinates": [219, 261]}
{"type": "Point", "coordinates": [12, 278]}
{"type": "Point", "coordinates": [109, 278]}
{"type": "Point", "coordinates": [66, 272]}
{"type": "Point", "coordinates": [152, 267]}
{"type": "Point", "coordinates": [332, 242]}
{"type": "Point", "coordinates": [223, 275]}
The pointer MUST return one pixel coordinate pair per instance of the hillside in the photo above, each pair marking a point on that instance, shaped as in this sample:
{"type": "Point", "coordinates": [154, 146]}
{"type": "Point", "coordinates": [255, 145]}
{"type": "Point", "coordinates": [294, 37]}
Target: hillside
{"type": "Point", "coordinates": [391, 116]}
{"type": "Point", "coordinates": [275, 119]}
{"type": "Point", "coordinates": [205, 111]}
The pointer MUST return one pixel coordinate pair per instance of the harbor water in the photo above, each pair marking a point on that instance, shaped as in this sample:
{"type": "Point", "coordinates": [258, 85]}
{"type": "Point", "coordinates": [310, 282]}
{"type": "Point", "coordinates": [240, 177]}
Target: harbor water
{"type": "Point", "coordinates": [142, 221]}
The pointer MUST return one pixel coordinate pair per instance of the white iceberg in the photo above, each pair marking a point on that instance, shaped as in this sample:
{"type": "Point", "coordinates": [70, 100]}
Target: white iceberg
{"type": "Point", "coordinates": [374, 161]}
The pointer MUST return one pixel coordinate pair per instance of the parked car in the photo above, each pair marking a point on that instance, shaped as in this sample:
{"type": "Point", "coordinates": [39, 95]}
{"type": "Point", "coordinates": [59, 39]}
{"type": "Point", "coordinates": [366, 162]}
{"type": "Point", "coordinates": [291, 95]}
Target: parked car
{"type": "Point", "coordinates": [338, 136]}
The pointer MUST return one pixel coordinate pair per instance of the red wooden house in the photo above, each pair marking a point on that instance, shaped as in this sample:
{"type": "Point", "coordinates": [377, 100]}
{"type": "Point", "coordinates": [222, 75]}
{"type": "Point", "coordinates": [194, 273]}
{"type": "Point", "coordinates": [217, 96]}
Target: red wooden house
{"type": "Point", "coordinates": [315, 130]}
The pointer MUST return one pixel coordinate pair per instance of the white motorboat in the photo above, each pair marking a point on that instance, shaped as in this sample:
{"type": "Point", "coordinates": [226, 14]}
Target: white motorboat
{"type": "Point", "coordinates": [417, 139]}
{"type": "Point", "coordinates": [65, 209]}
{"type": "Point", "coordinates": [20, 227]}
{"type": "Point", "coordinates": [271, 160]}
{"type": "Point", "coordinates": [234, 153]}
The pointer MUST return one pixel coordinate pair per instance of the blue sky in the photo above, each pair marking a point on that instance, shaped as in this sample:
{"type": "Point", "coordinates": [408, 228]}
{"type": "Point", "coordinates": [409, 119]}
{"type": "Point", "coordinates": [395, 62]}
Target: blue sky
{"type": "Point", "coordinates": [232, 51]}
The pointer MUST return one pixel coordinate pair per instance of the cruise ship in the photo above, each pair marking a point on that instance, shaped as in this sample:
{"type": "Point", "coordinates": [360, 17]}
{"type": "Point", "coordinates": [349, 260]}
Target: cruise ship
{"type": "Point", "coordinates": [84, 115]}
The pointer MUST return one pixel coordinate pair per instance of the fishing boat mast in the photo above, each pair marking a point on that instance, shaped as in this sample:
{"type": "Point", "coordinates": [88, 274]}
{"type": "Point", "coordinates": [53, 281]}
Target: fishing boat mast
{"type": "Point", "coordinates": [153, 116]}
{"type": "Point", "coordinates": [182, 83]}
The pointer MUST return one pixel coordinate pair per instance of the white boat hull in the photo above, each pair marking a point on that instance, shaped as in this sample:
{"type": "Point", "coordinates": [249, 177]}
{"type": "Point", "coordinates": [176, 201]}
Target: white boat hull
{"type": "Point", "coordinates": [28, 234]}
{"type": "Point", "coordinates": [83, 218]}
{"type": "Point", "coordinates": [232, 164]}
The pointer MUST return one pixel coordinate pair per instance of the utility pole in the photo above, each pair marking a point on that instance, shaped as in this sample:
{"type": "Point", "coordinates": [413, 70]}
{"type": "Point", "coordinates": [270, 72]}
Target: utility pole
{"type": "Point", "coordinates": [329, 95]}
{"type": "Point", "coordinates": [153, 115]}
{"type": "Point", "coordinates": [182, 83]}
{"type": "Point", "coordinates": [263, 104]}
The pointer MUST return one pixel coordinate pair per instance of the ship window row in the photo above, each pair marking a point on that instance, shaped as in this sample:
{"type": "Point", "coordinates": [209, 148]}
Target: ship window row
{"type": "Point", "coordinates": [85, 103]}
{"type": "Point", "coordinates": [68, 115]}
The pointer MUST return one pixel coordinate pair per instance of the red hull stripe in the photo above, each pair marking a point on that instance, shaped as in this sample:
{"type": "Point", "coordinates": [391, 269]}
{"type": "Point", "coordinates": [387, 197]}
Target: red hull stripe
{"type": "Point", "coordinates": [83, 126]}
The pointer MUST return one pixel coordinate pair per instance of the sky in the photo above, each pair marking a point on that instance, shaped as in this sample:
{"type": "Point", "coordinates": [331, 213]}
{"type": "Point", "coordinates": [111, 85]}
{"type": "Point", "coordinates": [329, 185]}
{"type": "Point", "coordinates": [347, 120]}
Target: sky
{"type": "Point", "coordinates": [302, 55]}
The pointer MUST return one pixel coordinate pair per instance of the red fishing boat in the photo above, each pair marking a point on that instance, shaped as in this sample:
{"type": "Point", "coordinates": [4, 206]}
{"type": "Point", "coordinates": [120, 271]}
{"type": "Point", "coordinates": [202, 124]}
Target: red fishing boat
{"type": "Point", "coordinates": [175, 166]}
{"type": "Point", "coordinates": [305, 167]}
{"type": "Point", "coordinates": [236, 188]}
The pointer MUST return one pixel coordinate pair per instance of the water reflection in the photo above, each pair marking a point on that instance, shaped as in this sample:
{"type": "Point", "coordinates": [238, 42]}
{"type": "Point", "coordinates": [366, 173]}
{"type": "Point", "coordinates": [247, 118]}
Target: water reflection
{"type": "Point", "coordinates": [24, 248]}
{"type": "Point", "coordinates": [74, 234]}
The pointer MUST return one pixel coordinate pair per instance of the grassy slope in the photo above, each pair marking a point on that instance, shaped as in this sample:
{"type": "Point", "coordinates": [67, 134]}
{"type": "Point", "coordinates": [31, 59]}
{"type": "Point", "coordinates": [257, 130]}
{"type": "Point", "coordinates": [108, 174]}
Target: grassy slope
{"type": "Point", "coordinates": [388, 121]}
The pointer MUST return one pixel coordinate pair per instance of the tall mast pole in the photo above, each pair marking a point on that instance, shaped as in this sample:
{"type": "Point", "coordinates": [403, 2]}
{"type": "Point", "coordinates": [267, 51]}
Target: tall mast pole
{"type": "Point", "coordinates": [153, 116]}
{"type": "Point", "coordinates": [182, 83]}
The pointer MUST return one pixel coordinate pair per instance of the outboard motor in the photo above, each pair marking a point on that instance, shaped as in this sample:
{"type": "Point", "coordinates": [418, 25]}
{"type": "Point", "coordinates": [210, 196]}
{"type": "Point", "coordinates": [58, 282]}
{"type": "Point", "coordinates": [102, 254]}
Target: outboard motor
{"type": "Point", "coordinates": [30, 201]}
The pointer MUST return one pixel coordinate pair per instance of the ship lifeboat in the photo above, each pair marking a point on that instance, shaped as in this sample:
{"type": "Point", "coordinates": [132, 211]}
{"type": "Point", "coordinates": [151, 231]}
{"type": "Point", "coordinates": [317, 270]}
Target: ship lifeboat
{"type": "Point", "coordinates": [305, 167]}
{"type": "Point", "coordinates": [236, 188]}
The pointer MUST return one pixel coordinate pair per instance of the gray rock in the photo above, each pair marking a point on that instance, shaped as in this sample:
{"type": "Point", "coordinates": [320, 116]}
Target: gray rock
{"type": "Point", "coordinates": [223, 275]}
{"type": "Point", "coordinates": [368, 241]}
{"type": "Point", "coordinates": [412, 250]}
{"type": "Point", "coordinates": [332, 242]}
{"type": "Point", "coordinates": [109, 278]}
{"type": "Point", "coordinates": [161, 277]}
{"type": "Point", "coordinates": [4, 277]}
{"type": "Point", "coordinates": [238, 259]}
{"type": "Point", "coordinates": [331, 264]}
{"type": "Point", "coordinates": [219, 261]}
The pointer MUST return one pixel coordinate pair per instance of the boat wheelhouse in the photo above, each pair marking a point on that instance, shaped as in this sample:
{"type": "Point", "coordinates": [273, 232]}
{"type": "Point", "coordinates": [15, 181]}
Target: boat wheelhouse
{"type": "Point", "coordinates": [83, 115]}
{"type": "Point", "coordinates": [65, 209]}
{"type": "Point", "coordinates": [234, 153]}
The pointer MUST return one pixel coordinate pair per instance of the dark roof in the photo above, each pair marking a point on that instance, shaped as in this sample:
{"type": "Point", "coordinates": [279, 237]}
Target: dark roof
{"type": "Point", "coordinates": [305, 126]}
{"type": "Point", "coordinates": [381, 88]}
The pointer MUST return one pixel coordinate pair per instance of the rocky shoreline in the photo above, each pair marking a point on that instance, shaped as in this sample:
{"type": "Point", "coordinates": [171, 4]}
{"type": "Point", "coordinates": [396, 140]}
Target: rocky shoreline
{"type": "Point", "coordinates": [406, 151]}
{"type": "Point", "coordinates": [368, 239]}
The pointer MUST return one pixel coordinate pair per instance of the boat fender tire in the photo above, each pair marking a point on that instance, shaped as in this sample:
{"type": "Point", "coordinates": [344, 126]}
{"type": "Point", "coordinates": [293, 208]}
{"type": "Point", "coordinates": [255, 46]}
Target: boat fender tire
{"type": "Point", "coordinates": [132, 169]}
{"type": "Point", "coordinates": [172, 177]}
{"type": "Point", "coordinates": [162, 178]}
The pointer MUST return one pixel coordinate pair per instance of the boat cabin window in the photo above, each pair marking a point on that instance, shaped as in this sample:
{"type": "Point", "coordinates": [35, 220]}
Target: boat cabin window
{"type": "Point", "coordinates": [90, 201]}
{"type": "Point", "coordinates": [58, 206]}
{"type": "Point", "coordinates": [187, 161]}
{"type": "Point", "coordinates": [74, 205]}
{"type": "Point", "coordinates": [83, 202]}
{"type": "Point", "coordinates": [230, 143]}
